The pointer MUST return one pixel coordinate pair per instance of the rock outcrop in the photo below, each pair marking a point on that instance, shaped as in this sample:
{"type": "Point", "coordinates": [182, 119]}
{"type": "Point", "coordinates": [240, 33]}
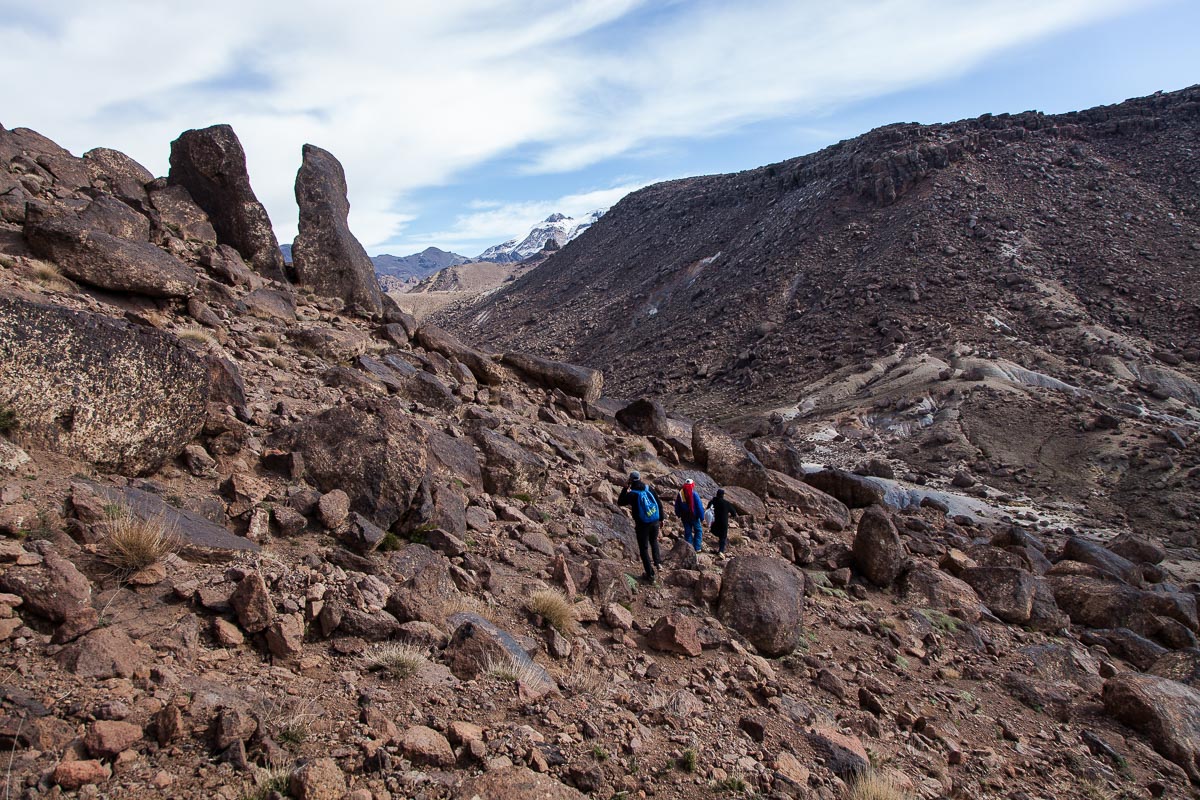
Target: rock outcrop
{"type": "Point", "coordinates": [325, 254]}
{"type": "Point", "coordinates": [211, 164]}
{"type": "Point", "coordinates": [64, 373]}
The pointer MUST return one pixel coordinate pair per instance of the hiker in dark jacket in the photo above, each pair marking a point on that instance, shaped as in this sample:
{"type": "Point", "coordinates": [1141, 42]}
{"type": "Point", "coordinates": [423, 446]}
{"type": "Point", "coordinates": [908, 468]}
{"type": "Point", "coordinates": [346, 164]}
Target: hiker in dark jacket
{"type": "Point", "coordinates": [721, 510]}
{"type": "Point", "coordinates": [689, 507]}
{"type": "Point", "coordinates": [646, 530]}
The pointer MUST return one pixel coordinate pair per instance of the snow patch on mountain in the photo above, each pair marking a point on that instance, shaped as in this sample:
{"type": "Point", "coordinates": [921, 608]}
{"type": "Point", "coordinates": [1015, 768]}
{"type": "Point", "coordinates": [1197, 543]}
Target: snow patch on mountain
{"type": "Point", "coordinates": [558, 227]}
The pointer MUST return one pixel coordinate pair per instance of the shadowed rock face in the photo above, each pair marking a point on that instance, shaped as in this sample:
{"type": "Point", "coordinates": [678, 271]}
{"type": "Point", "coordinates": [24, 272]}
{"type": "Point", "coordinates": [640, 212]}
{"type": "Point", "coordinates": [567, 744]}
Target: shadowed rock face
{"type": "Point", "coordinates": [123, 397]}
{"type": "Point", "coordinates": [211, 165]}
{"type": "Point", "coordinates": [325, 254]}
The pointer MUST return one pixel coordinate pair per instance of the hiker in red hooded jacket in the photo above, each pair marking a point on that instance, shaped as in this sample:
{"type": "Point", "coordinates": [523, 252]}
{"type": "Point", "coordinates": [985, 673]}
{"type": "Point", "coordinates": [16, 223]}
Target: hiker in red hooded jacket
{"type": "Point", "coordinates": [689, 507]}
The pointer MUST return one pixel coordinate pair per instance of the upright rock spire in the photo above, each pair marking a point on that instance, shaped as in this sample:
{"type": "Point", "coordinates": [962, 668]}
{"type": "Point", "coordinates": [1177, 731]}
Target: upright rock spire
{"type": "Point", "coordinates": [326, 255]}
{"type": "Point", "coordinates": [211, 164]}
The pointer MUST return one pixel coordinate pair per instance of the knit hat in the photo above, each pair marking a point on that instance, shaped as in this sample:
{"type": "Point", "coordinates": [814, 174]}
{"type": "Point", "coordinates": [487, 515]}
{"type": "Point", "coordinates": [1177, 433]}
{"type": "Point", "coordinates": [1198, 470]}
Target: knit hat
{"type": "Point", "coordinates": [635, 476]}
{"type": "Point", "coordinates": [720, 492]}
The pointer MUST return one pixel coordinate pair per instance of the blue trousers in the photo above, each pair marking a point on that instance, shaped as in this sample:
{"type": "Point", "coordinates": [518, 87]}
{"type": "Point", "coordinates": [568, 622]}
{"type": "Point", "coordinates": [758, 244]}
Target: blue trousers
{"type": "Point", "coordinates": [693, 532]}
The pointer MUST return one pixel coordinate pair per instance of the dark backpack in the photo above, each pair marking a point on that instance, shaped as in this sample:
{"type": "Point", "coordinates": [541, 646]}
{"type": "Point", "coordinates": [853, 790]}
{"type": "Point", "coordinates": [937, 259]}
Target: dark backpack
{"type": "Point", "coordinates": [646, 508]}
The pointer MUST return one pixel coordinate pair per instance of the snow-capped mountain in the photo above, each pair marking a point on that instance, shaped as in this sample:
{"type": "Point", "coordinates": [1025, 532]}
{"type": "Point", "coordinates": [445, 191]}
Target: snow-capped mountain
{"type": "Point", "coordinates": [558, 227]}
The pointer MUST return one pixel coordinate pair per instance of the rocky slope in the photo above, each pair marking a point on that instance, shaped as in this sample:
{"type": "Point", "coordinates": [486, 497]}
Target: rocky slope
{"type": "Point", "coordinates": [331, 484]}
{"type": "Point", "coordinates": [1009, 301]}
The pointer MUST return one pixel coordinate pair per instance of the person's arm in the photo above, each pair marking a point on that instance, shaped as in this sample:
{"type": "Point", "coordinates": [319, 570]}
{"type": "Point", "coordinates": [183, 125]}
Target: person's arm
{"type": "Point", "coordinates": [623, 497]}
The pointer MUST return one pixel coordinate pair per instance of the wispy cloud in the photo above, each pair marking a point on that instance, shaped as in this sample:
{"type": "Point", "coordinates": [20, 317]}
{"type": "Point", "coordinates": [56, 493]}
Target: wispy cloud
{"type": "Point", "coordinates": [412, 95]}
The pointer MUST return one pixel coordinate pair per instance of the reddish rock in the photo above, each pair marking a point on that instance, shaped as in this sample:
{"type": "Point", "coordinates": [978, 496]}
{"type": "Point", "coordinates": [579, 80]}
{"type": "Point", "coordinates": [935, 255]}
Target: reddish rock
{"type": "Point", "coordinates": [321, 779]}
{"type": "Point", "coordinates": [104, 653]}
{"type": "Point", "coordinates": [878, 552]}
{"type": "Point", "coordinates": [106, 739]}
{"type": "Point", "coordinates": [422, 745]}
{"type": "Point", "coordinates": [252, 603]}
{"type": "Point", "coordinates": [333, 508]}
{"type": "Point", "coordinates": [676, 633]}
{"type": "Point", "coordinates": [71, 775]}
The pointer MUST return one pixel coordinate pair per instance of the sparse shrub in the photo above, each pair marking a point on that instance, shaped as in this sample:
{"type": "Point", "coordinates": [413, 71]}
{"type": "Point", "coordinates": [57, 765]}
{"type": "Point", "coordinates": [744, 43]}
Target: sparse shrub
{"type": "Point", "coordinates": [736, 540]}
{"type": "Point", "coordinates": [134, 543]}
{"type": "Point", "coordinates": [872, 785]}
{"type": "Point", "coordinates": [466, 604]}
{"type": "Point", "coordinates": [7, 262]}
{"type": "Point", "coordinates": [599, 753]}
{"type": "Point", "coordinates": [8, 419]}
{"type": "Point", "coordinates": [279, 362]}
{"type": "Point", "coordinates": [734, 783]}
{"type": "Point", "coordinates": [513, 671]}
{"type": "Point", "coordinates": [268, 782]}
{"type": "Point", "coordinates": [268, 340]}
{"type": "Point", "coordinates": [522, 496]}
{"type": "Point", "coordinates": [586, 681]}
{"type": "Point", "coordinates": [556, 608]}
{"type": "Point", "coordinates": [197, 336]}
{"type": "Point", "coordinates": [390, 542]}
{"type": "Point", "coordinates": [688, 761]}
{"type": "Point", "coordinates": [396, 659]}
{"type": "Point", "coordinates": [941, 621]}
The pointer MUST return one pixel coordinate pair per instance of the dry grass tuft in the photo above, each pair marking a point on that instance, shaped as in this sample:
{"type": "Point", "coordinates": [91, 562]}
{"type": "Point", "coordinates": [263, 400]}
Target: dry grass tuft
{"type": "Point", "coordinates": [556, 608]}
{"type": "Point", "coordinates": [197, 336]}
{"type": "Point", "coordinates": [50, 277]}
{"type": "Point", "coordinates": [466, 604]}
{"type": "Point", "coordinates": [396, 659]}
{"type": "Point", "coordinates": [268, 340]}
{"type": "Point", "coordinates": [872, 785]}
{"type": "Point", "coordinates": [586, 681]}
{"type": "Point", "coordinates": [513, 671]}
{"type": "Point", "coordinates": [134, 543]}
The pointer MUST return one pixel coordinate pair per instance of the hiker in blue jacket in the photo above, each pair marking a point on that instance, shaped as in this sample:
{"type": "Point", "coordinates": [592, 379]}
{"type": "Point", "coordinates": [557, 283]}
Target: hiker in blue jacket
{"type": "Point", "coordinates": [647, 513]}
{"type": "Point", "coordinates": [689, 507]}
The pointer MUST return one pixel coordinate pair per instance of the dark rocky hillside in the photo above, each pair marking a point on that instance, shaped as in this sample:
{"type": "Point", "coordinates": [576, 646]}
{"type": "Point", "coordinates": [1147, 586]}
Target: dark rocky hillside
{"type": "Point", "coordinates": [1015, 298]}
{"type": "Point", "coordinates": [263, 535]}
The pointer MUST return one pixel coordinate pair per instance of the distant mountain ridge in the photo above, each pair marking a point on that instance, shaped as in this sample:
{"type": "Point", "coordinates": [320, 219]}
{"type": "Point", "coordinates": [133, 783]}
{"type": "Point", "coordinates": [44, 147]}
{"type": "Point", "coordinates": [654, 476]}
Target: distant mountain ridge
{"type": "Point", "coordinates": [418, 265]}
{"type": "Point", "coordinates": [558, 227]}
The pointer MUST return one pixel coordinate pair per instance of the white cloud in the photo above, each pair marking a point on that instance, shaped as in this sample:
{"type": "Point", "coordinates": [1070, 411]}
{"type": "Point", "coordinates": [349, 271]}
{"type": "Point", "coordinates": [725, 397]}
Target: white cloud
{"type": "Point", "coordinates": [411, 95]}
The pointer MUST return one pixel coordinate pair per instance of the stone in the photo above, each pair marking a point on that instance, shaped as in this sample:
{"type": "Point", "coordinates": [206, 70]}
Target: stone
{"type": "Point", "coordinates": [476, 644]}
{"type": "Point", "coordinates": [54, 589]}
{"type": "Point", "coordinates": [854, 491]}
{"type": "Point", "coordinates": [1105, 560]}
{"type": "Point", "coordinates": [582, 382]}
{"type": "Point", "coordinates": [509, 468]}
{"type": "Point", "coordinates": [231, 725]}
{"type": "Point", "coordinates": [1007, 592]}
{"type": "Point", "coordinates": [117, 174]}
{"type": "Point", "coordinates": [331, 344]}
{"type": "Point", "coordinates": [107, 738]}
{"type": "Point", "coordinates": [482, 366]}
{"type": "Point", "coordinates": [252, 603]}
{"type": "Point", "coordinates": [211, 164]}
{"type": "Point", "coordinates": [72, 775]}
{"type": "Point", "coordinates": [333, 508]}
{"type": "Point", "coordinates": [676, 633]}
{"type": "Point", "coordinates": [1165, 711]}
{"type": "Point", "coordinates": [1137, 549]}
{"type": "Point", "coordinates": [726, 460]}
{"type": "Point", "coordinates": [179, 215]}
{"type": "Point", "coordinates": [932, 588]}
{"type": "Point", "coordinates": [515, 783]}
{"type": "Point", "coordinates": [422, 745]}
{"type": "Point", "coordinates": [844, 755]}
{"type": "Point", "coordinates": [109, 262]}
{"type": "Point", "coordinates": [1181, 665]}
{"type": "Point", "coordinates": [271, 304]}
{"type": "Point", "coordinates": [762, 598]}
{"type": "Point", "coordinates": [71, 368]}
{"type": "Point", "coordinates": [288, 520]}
{"type": "Point", "coordinates": [878, 552]}
{"type": "Point", "coordinates": [320, 779]}
{"type": "Point", "coordinates": [285, 636]}
{"type": "Point", "coordinates": [104, 653]}
{"type": "Point", "coordinates": [244, 492]}
{"type": "Point", "coordinates": [198, 461]}
{"type": "Point", "coordinates": [618, 617]}
{"type": "Point", "coordinates": [791, 770]}
{"type": "Point", "coordinates": [371, 449]}
{"type": "Point", "coordinates": [326, 256]}
{"type": "Point", "coordinates": [813, 502]}
{"type": "Point", "coordinates": [362, 535]}
{"type": "Point", "coordinates": [226, 633]}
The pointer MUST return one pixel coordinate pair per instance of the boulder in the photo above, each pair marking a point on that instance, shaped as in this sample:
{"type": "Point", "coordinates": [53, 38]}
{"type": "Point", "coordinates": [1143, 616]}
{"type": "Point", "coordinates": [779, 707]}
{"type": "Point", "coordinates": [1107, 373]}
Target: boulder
{"type": "Point", "coordinates": [1165, 711]}
{"type": "Point", "coordinates": [63, 372]}
{"type": "Point", "coordinates": [854, 491]}
{"type": "Point", "coordinates": [371, 449]}
{"type": "Point", "coordinates": [645, 417]}
{"type": "Point", "coordinates": [878, 552]}
{"type": "Point", "coordinates": [1097, 603]}
{"type": "Point", "coordinates": [1124, 643]}
{"type": "Point", "coordinates": [266, 303]}
{"type": "Point", "coordinates": [935, 589]}
{"type": "Point", "coordinates": [117, 174]}
{"type": "Point", "coordinates": [72, 775]}
{"type": "Point", "coordinates": [179, 215]}
{"type": "Point", "coordinates": [211, 164]}
{"type": "Point", "coordinates": [813, 502]}
{"type": "Point", "coordinates": [509, 468]}
{"type": "Point", "coordinates": [191, 529]}
{"type": "Point", "coordinates": [727, 461]}
{"type": "Point", "coordinates": [1137, 549]}
{"type": "Point", "coordinates": [53, 589]}
{"type": "Point", "coordinates": [330, 344]}
{"type": "Point", "coordinates": [844, 754]}
{"type": "Point", "coordinates": [1107, 561]}
{"type": "Point", "coordinates": [252, 603]}
{"type": "Point", "coordinates": [109, 262]}
{"type": "Point", "coordinates": [1007, 592]}
{"type": "Point", "coordinates": [109, 738]}
{"type": "Point", "coordinates": [477, 644]}
{"type": "Point", "coordinates": [104, 653]}
{"type": "Point", "coordinates": [582, 382]}
{"type": "Point", "coordinates": [762, 598]}
{"type": "Point", "coordinates": [423, 745]}
{"type": "Point", "coordinates": [483, 367]}
{"type": "Point", "coordinates": [515, 783]}
{"type": "Point", "coordinates": [325, 254]}
{"type": "Point", "coordinates": [319, 779]}
{"type": "Point", "coordinates": [676, 633]}
{"type": "Point", "coordinates": [109, 215]}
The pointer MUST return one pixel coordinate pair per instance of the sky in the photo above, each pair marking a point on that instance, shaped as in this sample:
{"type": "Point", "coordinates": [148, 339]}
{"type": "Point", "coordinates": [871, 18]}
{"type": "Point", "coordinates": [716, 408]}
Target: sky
{"type": "Point", "coordinates": [462, 123]}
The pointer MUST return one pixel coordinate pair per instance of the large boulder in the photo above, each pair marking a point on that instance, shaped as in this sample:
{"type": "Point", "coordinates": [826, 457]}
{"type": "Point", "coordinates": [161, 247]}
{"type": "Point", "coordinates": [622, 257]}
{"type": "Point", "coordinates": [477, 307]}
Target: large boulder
{"type": "Point", "coordinates": [645, 417]}
{"type": "Point", "coordinates": [853, 490]}
{"type": "Point", "coordinates": [179, 215]}
{"type": "Point", "coordinates": [370, 449]}
{"type": "Point", "coordinates": [64, 373]}
{"type": "Point", "coordinates": [762, 598]}
{"type": "Point", "coordinates": [878, 552]}
{"type": "Point", "coordinates": [325, 254]}
{"type": "Point", "coordinates": [935, 589]}
{"type": "Point", "coordinates": [581, 382]}
{"type": "Point", "coordinates": [722, 457]}
{"type": "Point", "coordinates": [478, 645]}
{"type": "Point", "coordinates": [100, 259]}
{"type": "Point", "coordinates": [211, 164]}
{"type": "Point", "coordinates": [1107, 561]}
{"type": "Point", "coordinates": [117, 174]}
{"type": "Point", "coordinates": [1097, 603]}
{"type": "Point", "coordinates": [1008, 592]}
{"type": "Point", "coordinates": [53, 589]}
{"type": "Point", "coordinates": [813, 502]}
{"type": "Point", "coordinates": [483, 367]}
{"type": "Point", "coordinates": [509, 468]}
{"type": "Point", "coordinates": [1165, 711]}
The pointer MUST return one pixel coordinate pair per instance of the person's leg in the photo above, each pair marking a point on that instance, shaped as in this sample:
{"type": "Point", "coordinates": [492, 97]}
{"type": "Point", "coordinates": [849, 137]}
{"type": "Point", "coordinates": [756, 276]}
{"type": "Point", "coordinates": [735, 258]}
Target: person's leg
{"type": "Point", "coordinates": [722, 536]}
{"type": "Point", "coordinates": [644, 549]}
{"type": "Point", "coordinates": [652, 535]}
{"type": "Point", "coordinates": [699, 534]}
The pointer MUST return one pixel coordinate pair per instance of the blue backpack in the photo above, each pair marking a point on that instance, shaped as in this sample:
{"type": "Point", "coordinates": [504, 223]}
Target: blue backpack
{"type": "Point", "coordinates": [646, 507]}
